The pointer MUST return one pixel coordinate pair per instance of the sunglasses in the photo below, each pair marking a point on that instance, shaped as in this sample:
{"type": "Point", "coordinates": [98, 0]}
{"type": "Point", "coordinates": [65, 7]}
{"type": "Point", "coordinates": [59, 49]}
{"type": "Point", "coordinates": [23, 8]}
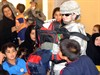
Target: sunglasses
{"type": "Point", "coordinates": [66, 14]}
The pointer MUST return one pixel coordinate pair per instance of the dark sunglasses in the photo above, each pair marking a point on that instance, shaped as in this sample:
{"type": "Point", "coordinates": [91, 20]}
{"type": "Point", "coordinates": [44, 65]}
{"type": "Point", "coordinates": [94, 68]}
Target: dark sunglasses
{"type": "Point", "coordinates": [66, 14]}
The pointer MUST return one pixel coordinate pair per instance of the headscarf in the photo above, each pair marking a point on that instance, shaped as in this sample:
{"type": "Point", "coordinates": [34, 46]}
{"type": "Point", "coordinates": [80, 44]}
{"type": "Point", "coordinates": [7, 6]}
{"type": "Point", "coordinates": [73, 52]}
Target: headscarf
{"type": "Point", "coordinates": [5, 6]}
{"type": "Point", "coordinates": [93, 51]}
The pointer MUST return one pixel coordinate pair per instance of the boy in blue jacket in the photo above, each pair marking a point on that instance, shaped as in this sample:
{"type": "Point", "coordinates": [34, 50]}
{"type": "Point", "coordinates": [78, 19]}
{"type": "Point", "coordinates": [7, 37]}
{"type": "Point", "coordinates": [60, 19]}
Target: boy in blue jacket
{"type": "Point", "coordinates": [76, 64]}
{"type": "Point", "coordinates": [15, 66]}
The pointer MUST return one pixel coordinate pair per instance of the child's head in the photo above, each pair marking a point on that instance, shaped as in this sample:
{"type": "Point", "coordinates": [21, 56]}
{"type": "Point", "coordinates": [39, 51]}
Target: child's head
{"type": "Point", "coordinates": [30, 33]}
{"type": "Point", "coordinates": [70, 11]}
{"type": "Point", "coordinates": [70, 49]}
{"type": "Point", "coordinates": [20, 7]}
{"type": "Point", "coordinates": [96, 28]}
{"type": "Point", "coordinates": [33, 3]}
{"type": "Point", "coordinates": [9, 49]}
{"type": "Point", "coordinates": [56, 14]}
{"type": "Point", "coordinates": [96, 39]}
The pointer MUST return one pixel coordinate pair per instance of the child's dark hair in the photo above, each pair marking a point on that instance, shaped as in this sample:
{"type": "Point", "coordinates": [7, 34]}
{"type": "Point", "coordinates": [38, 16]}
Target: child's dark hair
{"type": "Point", "coordinates": [70, 48]}
{"type": "Point", "coordinates": [21, 7]}
{"type": "Point", "coordinates": [28, 31]}
{"type": "Point", "coordinates": [7, 45]}
{"type": "Point", "coordinates": [55, 10]}
{"type": "Point", "coordinates": [20, 51]}
{"type": "Point", "coordinates": [98, 26]}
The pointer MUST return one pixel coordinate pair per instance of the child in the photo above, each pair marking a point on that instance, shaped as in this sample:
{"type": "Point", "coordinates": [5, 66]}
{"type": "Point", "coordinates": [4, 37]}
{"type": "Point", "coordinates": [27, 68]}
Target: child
{"type": "Point", "coordinates": [30, 42]}
{"type": "Point", "coordinates": [56, 14]}
{"type": "Point", "coordinates": [96, 28]}
{"type": "Point", "coordinates": [93, 49]}
{"type": "Point", "coordinates": [20, 22]}
{"type": "Point", "coordinates": [70, 11]}
{"type": "Point", "coordinates": [15, 66]}
{"type": "Point", "coordinates": [76, 64]}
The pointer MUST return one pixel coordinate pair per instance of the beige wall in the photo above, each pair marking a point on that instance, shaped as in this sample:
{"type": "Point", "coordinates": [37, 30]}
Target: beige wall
{"type": "Point", "coordinates": [50, 8]}
{"type": "Point", "coordinates": [90, 13]}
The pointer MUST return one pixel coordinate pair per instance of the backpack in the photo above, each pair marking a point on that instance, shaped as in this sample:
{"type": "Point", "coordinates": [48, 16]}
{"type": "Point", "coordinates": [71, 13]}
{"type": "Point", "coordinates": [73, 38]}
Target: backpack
{"type": "Point", "coordinates": [38, 62]}
{"type": "Point", "coordinates": [48, 34]}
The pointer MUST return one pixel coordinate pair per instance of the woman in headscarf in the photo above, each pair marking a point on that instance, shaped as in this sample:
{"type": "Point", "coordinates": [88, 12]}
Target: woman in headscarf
{"type": "Point", "coordinates": [93, 48]}
{"type": "Point", "coordinates": [7, 26]}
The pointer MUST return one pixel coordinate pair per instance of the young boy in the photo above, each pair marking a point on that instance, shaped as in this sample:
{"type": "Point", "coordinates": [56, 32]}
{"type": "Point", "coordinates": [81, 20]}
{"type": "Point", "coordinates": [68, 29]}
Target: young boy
{"type": "Point", "coordinates": [70, 11]}
{"type": "Point", "coordinates": [15, 66]}
{"type": "Point", "coordinates": [76, 64]}
{"type": "Point", "coordinates": [20, 23]}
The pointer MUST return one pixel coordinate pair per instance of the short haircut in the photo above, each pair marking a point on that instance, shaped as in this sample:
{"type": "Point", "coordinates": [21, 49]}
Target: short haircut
{"type": "Point", "coordinates": [21, 7]}
{"type": "Point", "coordinates": [7, 45]}
{"type": "Point", "coordinates": [70, 48]}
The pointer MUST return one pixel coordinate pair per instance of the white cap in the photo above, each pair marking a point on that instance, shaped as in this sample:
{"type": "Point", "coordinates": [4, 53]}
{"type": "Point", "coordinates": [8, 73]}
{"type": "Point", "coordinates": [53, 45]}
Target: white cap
{"type": "Point", "coordinates": [70, 6]}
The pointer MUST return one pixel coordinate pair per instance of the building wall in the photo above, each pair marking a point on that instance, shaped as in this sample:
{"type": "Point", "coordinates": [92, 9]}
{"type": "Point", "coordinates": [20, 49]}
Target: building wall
{"type": "Point", "coordinates": [90, 13]}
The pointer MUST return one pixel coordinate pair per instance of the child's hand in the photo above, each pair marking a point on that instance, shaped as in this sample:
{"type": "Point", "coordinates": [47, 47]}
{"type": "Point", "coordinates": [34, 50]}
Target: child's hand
{"type": "Point", "coordinates": [1, 57]}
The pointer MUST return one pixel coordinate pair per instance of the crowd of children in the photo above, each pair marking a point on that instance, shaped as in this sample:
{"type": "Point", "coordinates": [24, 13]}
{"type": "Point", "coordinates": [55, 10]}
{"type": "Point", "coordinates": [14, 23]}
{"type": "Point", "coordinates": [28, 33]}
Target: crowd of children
{"type": "Point", "coordinates": [21, 45]}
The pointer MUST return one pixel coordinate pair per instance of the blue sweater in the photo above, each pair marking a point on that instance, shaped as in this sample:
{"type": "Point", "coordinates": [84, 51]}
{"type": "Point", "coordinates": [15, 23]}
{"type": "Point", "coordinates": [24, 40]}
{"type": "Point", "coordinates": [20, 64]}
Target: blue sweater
{"type": "Point", "coordinates": [18, 69]}
{"type": "Point", "coordinates": [82, 66]}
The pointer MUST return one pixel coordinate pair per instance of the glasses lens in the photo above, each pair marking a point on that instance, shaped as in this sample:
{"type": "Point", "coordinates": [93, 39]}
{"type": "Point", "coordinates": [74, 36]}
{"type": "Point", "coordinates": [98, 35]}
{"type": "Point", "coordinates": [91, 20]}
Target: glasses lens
{"type": "Point", "coordinates": [66, 14]}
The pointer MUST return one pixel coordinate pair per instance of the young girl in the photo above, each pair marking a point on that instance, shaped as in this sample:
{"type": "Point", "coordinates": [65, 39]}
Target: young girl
{"type": "Point", "coordinates": [30, 40]}
{"type": "Point", "coordinates": [56, 14]}
{"type": "Point", "coordinates": [96, 28]}
{"type": "Point", "coordinates": [15, 66]}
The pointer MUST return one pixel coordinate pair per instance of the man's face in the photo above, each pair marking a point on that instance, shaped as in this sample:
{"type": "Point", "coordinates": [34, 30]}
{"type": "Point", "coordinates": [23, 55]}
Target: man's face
{"type": "Point", "coordinates": [67, 18]}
